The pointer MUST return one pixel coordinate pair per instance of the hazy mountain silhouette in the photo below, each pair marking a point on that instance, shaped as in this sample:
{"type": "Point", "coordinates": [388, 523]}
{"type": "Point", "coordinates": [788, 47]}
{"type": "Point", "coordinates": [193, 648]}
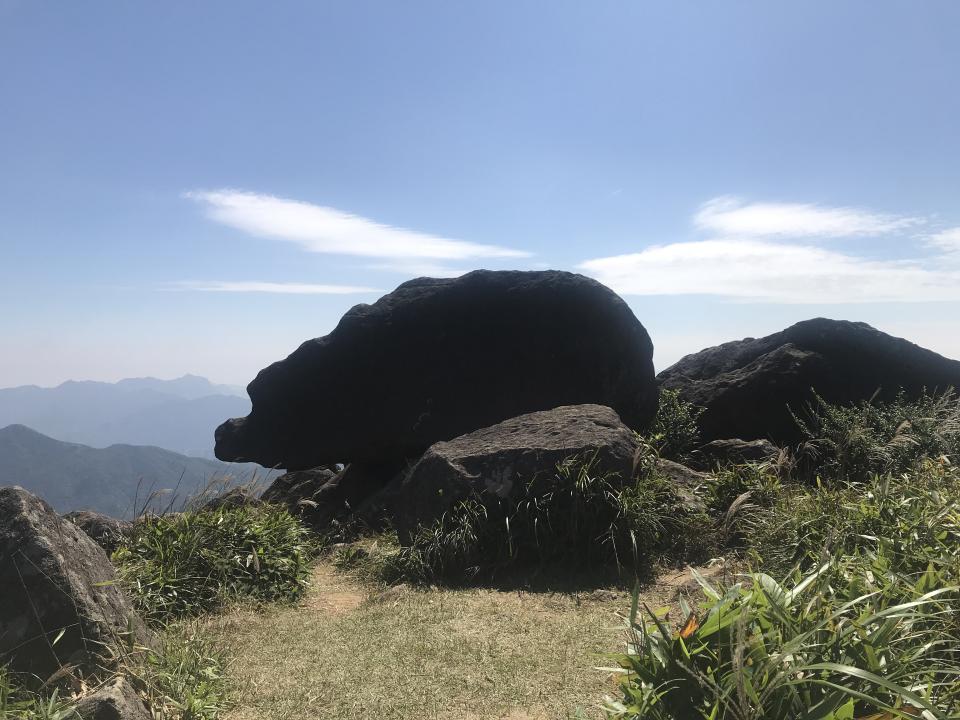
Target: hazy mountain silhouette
{"type": "Point", "coordinates": [178, 415]}
{"type": "Point", "coordinates": [71, 476]}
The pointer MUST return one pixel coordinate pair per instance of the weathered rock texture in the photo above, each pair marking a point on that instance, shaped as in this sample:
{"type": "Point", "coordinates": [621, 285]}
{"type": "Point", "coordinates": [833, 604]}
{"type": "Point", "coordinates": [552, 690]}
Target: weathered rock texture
{"type": "Point", "coordinates": [53, 577]}
{"type": "Point", "coordinates": [117, 700]}
{"type": "Point", "coordinates": [437, 358]}
{"type": "Point", "coordinates": [320, 496]}
{"type": "Point", "coordinates": [746, 386]}
{"type": "Point", "coordinates": [733, 451]}
{"type": "Point", "coordinates": [105, 531]}
{"type": "Point", "coordinates": [501, 462]}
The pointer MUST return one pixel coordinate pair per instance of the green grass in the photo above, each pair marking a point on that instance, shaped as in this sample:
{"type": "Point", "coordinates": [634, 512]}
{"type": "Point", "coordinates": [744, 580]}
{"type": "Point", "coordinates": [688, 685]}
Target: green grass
{"type": "Point", "coordinates": [184, 677]}
{"type": "Point", "coordinates": [674, 431]}
{"type": "Point", "coordinates": [192, 562]}
{"type": "Point", "coordinates": [578, 518]}
{"type": "Point", "coordinates": [864, 618]}
{"type": "Point", "coordinates": [849, 443]}
{"type": "Point", "coordinates": [18, 703]}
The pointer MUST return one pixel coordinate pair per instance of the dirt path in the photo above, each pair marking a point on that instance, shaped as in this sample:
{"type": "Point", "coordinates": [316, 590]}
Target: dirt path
{"type": "Point", "coordinates": [410, 654]}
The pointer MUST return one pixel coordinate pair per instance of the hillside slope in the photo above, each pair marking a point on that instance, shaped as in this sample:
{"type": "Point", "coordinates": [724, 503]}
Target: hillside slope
{"type": "Point", "coordinates": [71, 476]}
{"type": "Point", "coordinates": [178, 415]}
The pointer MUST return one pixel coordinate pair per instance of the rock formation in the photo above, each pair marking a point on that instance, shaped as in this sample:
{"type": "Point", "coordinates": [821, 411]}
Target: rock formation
{"type": "Point", "coordinates": [437, 358]}
{"type": "Point", "coordinates": [54, 579]}
{"type": "Point", "coordinates": [749, 386]}
{"type": "Point", "coordinates": [502, 461]}
{"type": "Point", "coordinates": [105, 531]}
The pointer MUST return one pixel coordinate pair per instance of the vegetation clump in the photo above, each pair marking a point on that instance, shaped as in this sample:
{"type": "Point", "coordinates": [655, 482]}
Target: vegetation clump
{"type": "Point", "coordinates": [674, 432]}
{"type": "Point", "coordinates": [863, 620]}
{"type": "Point", "coordinates": [853, 442]}
{"type": "Point", "coordinates": [183, 564]}
{"type": "Point", "coordinates": [583, 518]}
{"type": "Point", "coordinates": [18, 703]}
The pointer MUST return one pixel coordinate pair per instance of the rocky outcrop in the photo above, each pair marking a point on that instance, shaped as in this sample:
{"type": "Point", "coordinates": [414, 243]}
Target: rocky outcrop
{"type": "Point", "coordinates": [105, 531]}
{"type": "Point", "coordinates": [117, 700]}
{"type": "Point", "coordinates": [321, 497]}
{"type": "Point", "coordinates": [749, 386]}
{"type": "Point", "coordinates": [733, 451]}
{"type": "Point", "coordinates": [437, 358]}
{"type": "Point", "coordinates": [510, 460]}
{"type": "Point", "coordinates": [55, 580]}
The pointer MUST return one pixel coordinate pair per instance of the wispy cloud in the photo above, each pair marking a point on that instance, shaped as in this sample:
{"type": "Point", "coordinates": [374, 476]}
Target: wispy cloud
{"type": "Point", "coordinates": [766, 252]}
{"type": "Point", "coordinates": [765, 271]}
{"type": "Point", "coordinates": [327, 230]}
{"type": "Point", "coordinates": [946, 240]}
{"type": "Point", "coordinates": [731, 216]}
{"type": "Point", "coordinates": [282, 288]}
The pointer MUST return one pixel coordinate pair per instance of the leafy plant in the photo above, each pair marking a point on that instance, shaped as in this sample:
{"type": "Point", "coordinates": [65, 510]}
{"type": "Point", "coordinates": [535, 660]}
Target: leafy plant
{"type": "Point", "coordinates": [674, 432]}
{"type": "Point", "coordinates": [852, 442]}
{"type": "Point", "coordinates": [842, 641]}
{"type": "Point", "coordinates": [183, 564]}
{"type": "Point", "coordinates": [184, 677]}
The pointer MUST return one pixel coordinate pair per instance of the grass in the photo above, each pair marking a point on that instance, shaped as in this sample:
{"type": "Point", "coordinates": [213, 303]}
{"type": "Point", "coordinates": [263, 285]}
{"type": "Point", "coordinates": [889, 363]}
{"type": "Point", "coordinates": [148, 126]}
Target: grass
{"type": "Point", "coordinates": [191, 562]}
{"type": "Point", "coordinates": [578, 518]}
{"type": "Point", "coordinates": [350, 650]}
{"type": "Point", "coordinates": [17, 703]}
{"type": "Point", "coordinates": [864, 621]}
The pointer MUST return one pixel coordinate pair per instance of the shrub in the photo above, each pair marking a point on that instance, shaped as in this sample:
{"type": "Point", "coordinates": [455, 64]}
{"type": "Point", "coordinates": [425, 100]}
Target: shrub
{"type": "Point", "coordinates": [584, 518]}
{"type": "Point", "coordinates": [867, 620]}
{"type": "Point", "coordinates": [913, 519]}
{"type": "Point", "coordinates": [843, 641]}
{"type": "Point", "coordinates": [852, 442]}
{"type": "Point", "coordinates": [182, 564]}
{"type": "Point", "coordinates": [674, 431]}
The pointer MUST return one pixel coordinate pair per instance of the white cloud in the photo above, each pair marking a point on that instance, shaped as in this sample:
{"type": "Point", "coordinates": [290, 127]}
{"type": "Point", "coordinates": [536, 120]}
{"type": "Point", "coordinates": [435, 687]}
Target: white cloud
{"type": "Point", "coordinates": [763, 271]}
{"type": "Point", "coordinates": [947, 240]}
{"type": "Point", "coordinates": [327, 230]}
{"type": "Point", "coordinates": [283, 288]}
{"type": "Point", "coordinates": [731, 216]}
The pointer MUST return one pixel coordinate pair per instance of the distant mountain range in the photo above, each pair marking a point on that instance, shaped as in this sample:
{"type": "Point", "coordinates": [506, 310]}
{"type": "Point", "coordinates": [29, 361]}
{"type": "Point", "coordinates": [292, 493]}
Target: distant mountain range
{"type": "Point", "coordinates": [71, 476]}
{"type": "Point", "coordinates": [178, 415]}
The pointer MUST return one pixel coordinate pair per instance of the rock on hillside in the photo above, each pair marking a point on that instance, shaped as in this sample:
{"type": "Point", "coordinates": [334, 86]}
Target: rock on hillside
{"type": "Point", "coordinates": [54, 578]}
{"type": "Point", "coordinates": [501, 461]}
{"type": "Point", "coordinates": [437, 358]}
{"type": "Point", "coordinates": [748, 385]}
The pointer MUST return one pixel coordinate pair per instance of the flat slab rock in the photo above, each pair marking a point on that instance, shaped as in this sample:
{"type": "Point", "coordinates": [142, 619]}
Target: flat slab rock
{"type": "Point", "coordinates": [749, 386]}
{"type": "Point", "coordinates": [55, 578]}
{"type": "Point", "coordinates": [499, 461]}
{"type": "Point", "coordinates": [437, 358]}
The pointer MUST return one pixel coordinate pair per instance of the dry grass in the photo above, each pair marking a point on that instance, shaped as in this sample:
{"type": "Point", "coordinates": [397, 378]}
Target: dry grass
{"type": "Point", "coordinates": [348, 651]}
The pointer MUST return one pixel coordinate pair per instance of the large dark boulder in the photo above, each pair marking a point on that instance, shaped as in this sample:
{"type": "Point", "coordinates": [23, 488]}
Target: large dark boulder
{"type": "Point", "coordinates": [510, 460]}
{"type": "Point", "coordinates": [53, 579]}
{"type": "Point", "coordinates": [749, 386]}
{"type": "Point", "coordinates": [437, 358]}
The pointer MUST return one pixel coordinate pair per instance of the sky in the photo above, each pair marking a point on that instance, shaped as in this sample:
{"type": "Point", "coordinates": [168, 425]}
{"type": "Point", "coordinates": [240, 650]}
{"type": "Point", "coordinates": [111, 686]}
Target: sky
{"type": "Point", "coordinates": [200, 187]}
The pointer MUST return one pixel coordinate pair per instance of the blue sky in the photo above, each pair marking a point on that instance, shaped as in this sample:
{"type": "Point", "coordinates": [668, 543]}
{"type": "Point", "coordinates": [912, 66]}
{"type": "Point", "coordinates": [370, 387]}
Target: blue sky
{"type": "Point", "coordinates": [199, 187]}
